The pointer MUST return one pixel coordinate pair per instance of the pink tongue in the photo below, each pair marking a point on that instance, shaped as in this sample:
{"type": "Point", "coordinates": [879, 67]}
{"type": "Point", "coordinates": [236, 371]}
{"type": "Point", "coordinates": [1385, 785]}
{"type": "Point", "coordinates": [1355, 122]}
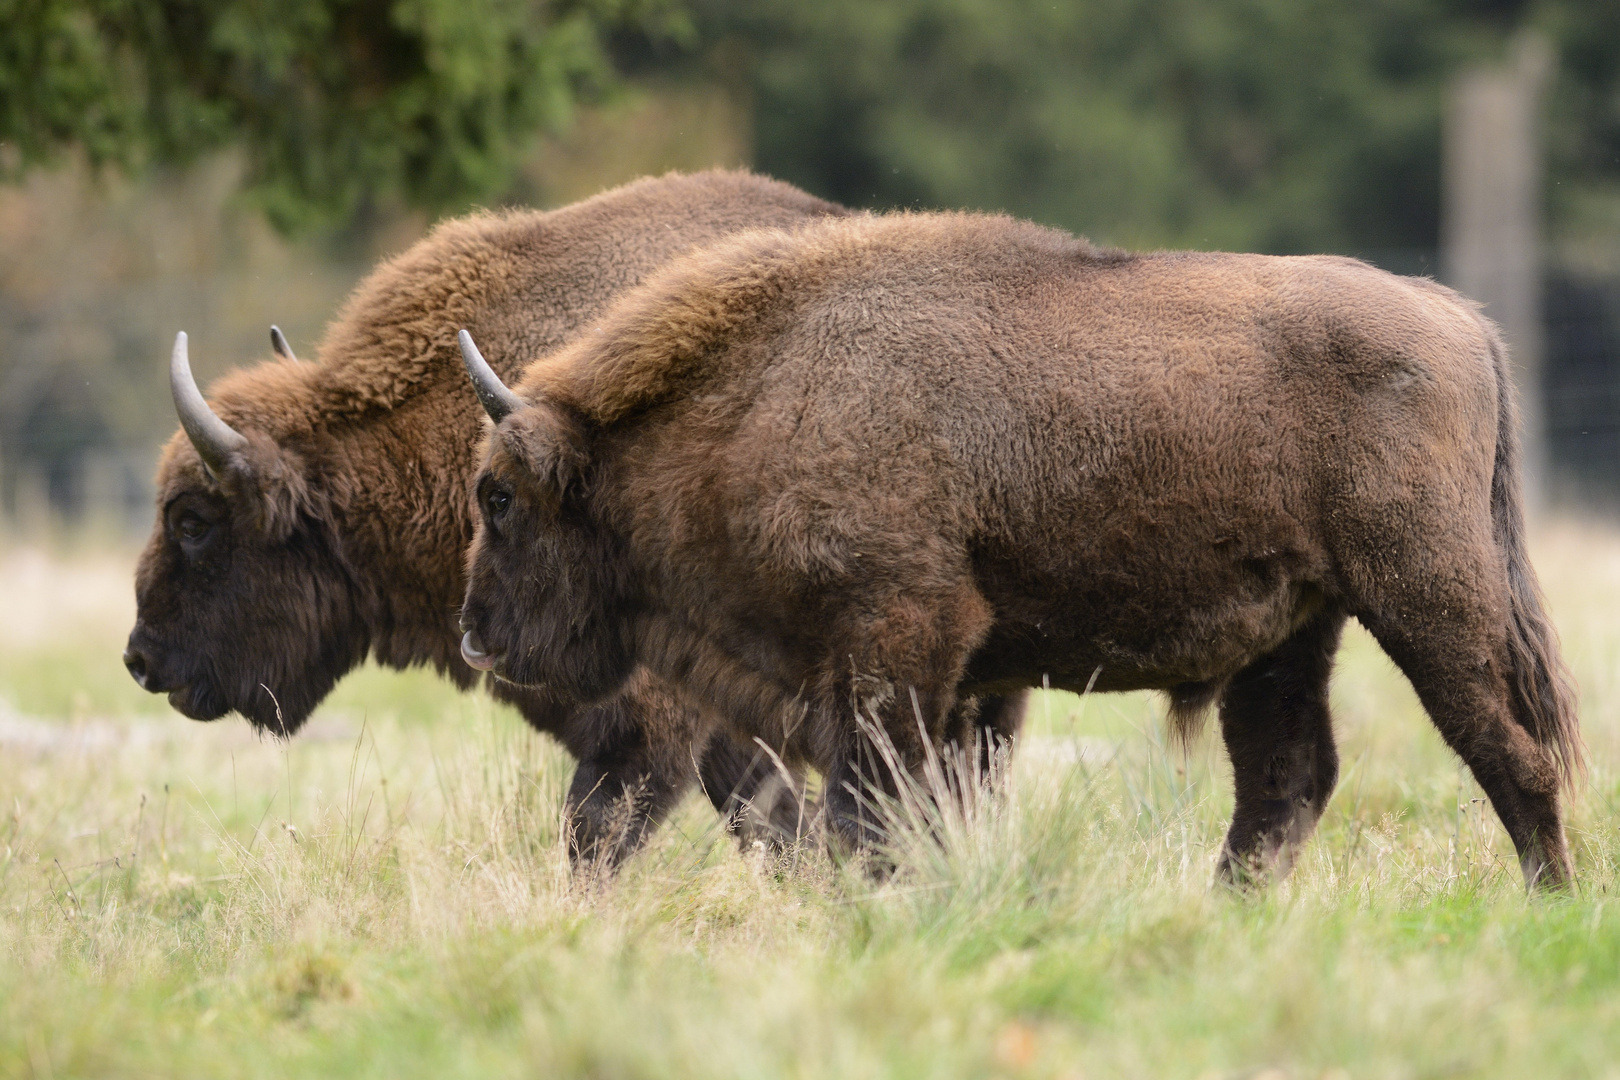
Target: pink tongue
{"type": "Point", "coordinates": [475, 656]}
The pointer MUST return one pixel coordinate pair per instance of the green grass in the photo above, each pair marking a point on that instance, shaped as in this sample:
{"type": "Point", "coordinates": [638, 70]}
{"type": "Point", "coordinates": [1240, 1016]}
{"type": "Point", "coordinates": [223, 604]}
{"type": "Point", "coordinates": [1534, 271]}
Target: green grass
{"type": "Point", "coordinates": [389, 897]}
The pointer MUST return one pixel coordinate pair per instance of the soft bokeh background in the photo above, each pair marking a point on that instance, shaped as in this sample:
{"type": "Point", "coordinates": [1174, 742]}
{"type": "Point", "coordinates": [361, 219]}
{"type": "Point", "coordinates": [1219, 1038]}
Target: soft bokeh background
{"type": "Point", "coordinates": [388, 894]}
{"type": "Point", "coordinates": [220, 167]}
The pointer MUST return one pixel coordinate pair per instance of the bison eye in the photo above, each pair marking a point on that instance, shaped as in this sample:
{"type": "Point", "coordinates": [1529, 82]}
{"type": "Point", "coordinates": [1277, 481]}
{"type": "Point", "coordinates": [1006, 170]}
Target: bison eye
{"type": "Point", "coordinates": [192, 526]}
{"type": "Point", "coordinates": [496, 502]}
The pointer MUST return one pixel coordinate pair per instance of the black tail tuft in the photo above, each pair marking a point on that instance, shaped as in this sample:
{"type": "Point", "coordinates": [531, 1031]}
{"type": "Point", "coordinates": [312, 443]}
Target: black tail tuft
{"type": "Point", "coordinates": [1544, 693]}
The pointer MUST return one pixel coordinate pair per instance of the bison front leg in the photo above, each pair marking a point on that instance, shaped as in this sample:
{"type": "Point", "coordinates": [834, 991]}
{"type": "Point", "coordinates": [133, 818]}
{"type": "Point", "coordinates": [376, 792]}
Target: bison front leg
{"type": "Point", "coordinates": [758, 799]}
{"type": "Point", "coordinates": [888, 703]}
{"type": "Point", "coordinates": [636, 761]}
{"type": "Point", "coordinates": [1279, 734]}
{"type": "Point", "coordinates": [615, 801]}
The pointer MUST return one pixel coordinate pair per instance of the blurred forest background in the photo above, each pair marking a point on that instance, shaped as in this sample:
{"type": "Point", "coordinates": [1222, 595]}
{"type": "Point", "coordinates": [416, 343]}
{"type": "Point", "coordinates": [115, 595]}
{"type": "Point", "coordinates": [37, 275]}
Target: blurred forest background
{"type": "Point", "coordinates": [219, 166]}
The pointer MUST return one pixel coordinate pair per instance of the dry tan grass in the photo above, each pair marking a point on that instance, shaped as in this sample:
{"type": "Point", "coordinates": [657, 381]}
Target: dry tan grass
{"type": "Point", "coordinates": [391, 897]}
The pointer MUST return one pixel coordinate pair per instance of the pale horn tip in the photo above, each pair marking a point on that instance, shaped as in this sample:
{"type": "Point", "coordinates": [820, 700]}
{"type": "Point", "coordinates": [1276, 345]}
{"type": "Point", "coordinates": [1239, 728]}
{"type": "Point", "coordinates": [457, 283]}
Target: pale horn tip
{"type": "Point", "coordinates": [214, 439]}
{"type": "Point", "coordinates": [278, 342]}
{"type": "Point", "coordinates": [498, 400]}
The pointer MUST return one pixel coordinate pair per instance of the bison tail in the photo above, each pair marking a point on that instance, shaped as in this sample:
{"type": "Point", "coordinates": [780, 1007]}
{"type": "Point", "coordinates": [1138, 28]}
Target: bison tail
{"type": "Point", "coordinates": [1543, 692]}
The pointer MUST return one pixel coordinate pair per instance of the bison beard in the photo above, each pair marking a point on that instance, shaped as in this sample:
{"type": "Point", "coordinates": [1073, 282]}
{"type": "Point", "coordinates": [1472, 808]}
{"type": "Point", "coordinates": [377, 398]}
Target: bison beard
{"type": "Point", "coordinates": [881, 464]}
{"type": "Point", "coordinates": [321, 516]}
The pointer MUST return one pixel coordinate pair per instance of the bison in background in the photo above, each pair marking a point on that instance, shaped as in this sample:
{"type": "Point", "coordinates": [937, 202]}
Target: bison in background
{"type": "Point", "coordinates": [880, 464]}
{"type": "Point", "coordinates": [317, 512]}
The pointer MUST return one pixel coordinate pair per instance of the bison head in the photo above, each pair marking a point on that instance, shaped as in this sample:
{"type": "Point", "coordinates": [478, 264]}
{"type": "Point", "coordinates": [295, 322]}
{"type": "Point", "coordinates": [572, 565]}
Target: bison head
{"type": "Point", "coordinates": [243, 602]}
{"type": "Point", "coordinates": [547, 596]}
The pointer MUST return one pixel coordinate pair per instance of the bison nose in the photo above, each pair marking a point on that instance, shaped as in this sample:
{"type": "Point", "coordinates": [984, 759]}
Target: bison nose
{"type": "Point", "coordinates": [472, 651]}
{"type": "Point", "coordinates": [136, 663]}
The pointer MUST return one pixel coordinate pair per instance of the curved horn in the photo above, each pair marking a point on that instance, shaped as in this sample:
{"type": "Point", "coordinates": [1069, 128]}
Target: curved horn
{"type": "Point", "coordinates": [497, 400]}
{"type": "Point", "coordinates": [214, 439]}
{"type": "Point", "coordinates": [278, 342]}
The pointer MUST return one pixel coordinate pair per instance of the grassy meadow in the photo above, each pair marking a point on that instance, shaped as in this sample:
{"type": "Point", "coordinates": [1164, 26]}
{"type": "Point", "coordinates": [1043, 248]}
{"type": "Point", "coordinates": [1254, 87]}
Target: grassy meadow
{"type": "Point", "coordinates": [388, 896]}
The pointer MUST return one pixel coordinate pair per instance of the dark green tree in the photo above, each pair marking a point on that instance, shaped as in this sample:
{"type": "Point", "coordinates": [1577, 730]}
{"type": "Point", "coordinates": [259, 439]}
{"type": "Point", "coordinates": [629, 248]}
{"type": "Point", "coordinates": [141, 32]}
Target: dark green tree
{"type": "Point", "coordinates": [1583, 133]}
{"type": "Point", "coordinates": [334, 102]}
{"type": "Point", "coordinates": [1274, 125]}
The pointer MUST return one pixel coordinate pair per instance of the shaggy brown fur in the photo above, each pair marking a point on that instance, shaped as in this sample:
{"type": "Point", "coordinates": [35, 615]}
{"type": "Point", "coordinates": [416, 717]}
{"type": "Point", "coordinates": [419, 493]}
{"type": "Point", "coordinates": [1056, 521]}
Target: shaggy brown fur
{"type": "Point", "coordinates": [881, 463]}
{"type": "Point", "coordinates": [339, 529]}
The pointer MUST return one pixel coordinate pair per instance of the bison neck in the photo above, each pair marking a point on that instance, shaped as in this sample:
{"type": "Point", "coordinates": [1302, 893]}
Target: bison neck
{"type": "Point", "coordinates": [405, 525]}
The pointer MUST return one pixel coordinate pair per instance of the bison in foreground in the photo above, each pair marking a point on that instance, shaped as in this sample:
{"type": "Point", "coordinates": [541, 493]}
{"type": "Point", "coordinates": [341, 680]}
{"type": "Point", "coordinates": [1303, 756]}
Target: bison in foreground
{"type": "Point", "coordinates": [317, 512]}
{"type": "Point", "coordinates": [880, 464]}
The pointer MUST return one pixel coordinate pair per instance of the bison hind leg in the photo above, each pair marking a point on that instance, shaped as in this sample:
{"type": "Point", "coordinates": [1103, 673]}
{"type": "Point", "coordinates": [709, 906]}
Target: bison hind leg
{"type": "Point", "coordinates": [1457, 655]}
{"type": "Point", "coordinates": [1279, 734]}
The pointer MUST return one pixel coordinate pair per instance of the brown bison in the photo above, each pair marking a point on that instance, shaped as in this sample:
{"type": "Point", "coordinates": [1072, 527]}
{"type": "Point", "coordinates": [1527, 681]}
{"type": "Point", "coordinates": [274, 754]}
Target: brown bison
{"type": "Point", "coordinates": [883, 464]}
{"type": "Point", "coordinates": [317, 512]}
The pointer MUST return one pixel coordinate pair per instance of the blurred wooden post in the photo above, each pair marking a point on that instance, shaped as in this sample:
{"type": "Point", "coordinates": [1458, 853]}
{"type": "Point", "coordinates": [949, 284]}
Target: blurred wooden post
{"type": "Point", "coordinates": [1491, 220]}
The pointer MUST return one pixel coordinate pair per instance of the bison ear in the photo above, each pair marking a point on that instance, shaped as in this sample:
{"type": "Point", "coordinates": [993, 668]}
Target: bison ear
{"type": "Point", "coordinates": [270, 484]}
{"type": "Point", "coordinates": [553, 441]}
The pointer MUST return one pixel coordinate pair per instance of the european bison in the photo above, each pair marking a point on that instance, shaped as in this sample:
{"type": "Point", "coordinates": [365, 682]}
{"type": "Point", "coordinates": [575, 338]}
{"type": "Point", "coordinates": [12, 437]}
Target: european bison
{"type": "Point", "coordinates": [317, 513]}
{"type": "Point", "coordinates": [883, 463]}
